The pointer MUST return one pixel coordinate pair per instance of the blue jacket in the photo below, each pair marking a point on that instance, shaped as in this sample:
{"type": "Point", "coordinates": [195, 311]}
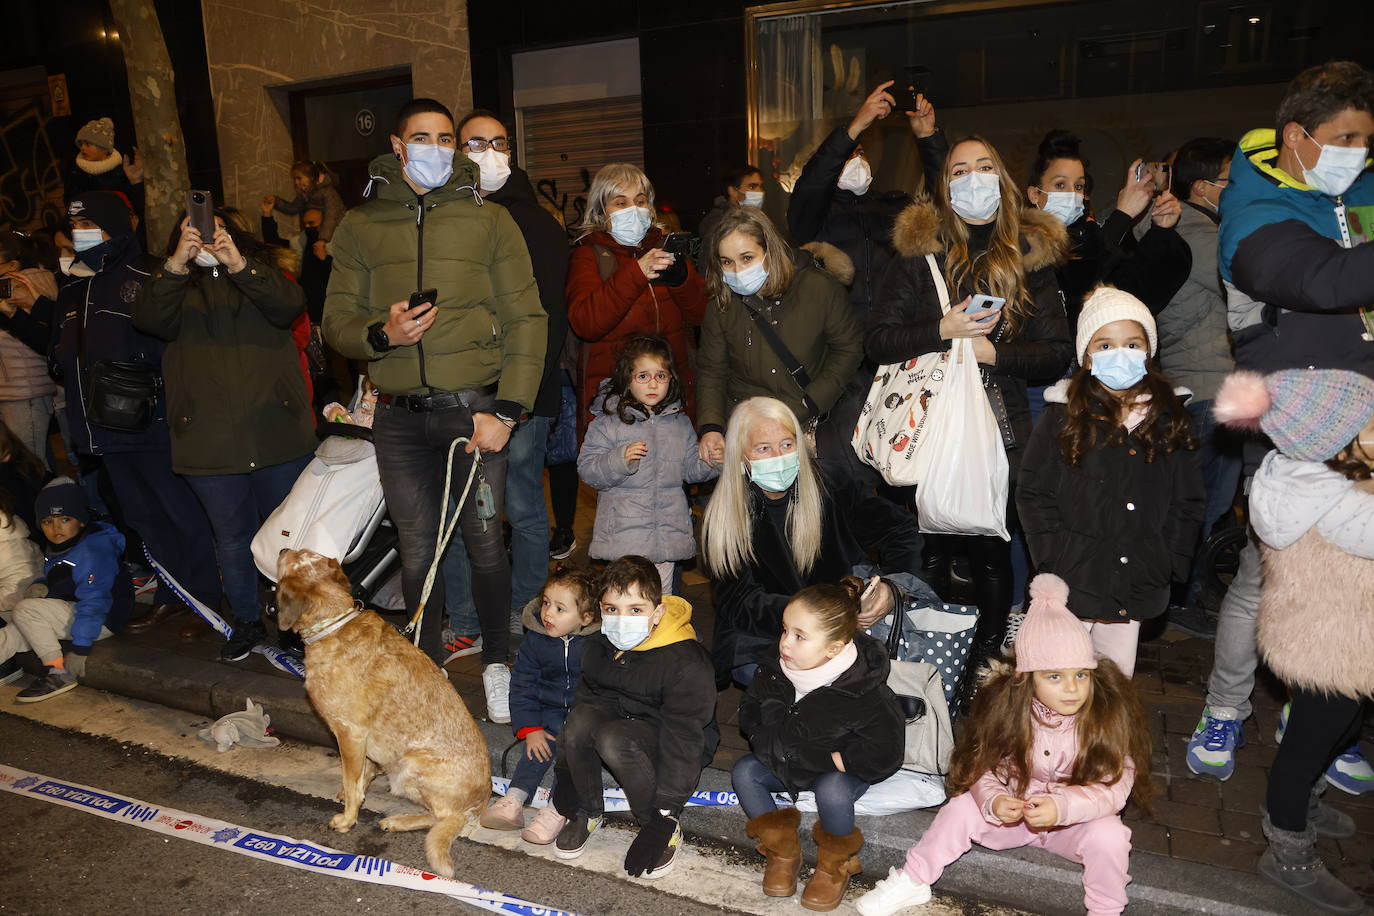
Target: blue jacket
{"type": "Point", "coordinates": [104, 303]}
{"type": "Point", "coordinates": [543, 682]}
{"type": "Point", "coordinates": [1294, 291]}
{"type": "Point", "coordinates": [89, 574]}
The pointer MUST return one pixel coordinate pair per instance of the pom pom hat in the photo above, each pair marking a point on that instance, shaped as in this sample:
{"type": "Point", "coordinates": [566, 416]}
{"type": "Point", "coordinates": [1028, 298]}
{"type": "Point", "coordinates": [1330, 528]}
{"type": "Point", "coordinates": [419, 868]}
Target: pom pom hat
{"type": "Point", "coordinates": [1051, 638]}
{"type": "Point", "coordinates": [1310, 414]}
{"type": "Point", "coordinates": [98, 133]}
{"type": "Point", "coordinates": [1107, 304]}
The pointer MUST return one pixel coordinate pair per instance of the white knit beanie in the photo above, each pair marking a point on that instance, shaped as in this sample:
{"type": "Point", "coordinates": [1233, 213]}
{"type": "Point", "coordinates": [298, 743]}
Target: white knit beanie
{"type": "Point", "coordinates": [1107, 304]}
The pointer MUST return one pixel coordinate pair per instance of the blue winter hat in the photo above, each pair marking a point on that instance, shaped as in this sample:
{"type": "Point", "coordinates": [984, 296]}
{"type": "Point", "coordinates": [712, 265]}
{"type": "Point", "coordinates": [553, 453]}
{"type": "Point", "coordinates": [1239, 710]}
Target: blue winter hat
{"type": "Point", "coordinates": [62, 497]}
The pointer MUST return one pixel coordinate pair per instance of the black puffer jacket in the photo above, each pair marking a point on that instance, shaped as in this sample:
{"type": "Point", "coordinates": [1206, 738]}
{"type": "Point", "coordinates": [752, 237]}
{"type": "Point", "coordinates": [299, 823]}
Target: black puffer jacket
{"type": "Point", "coordinates": [856, 715]}
{"type": "Point", "coordinates": [1116, 529]}
{"type": "Point", "coordinates": [905, 321]}
{"type": "Point", "coordinates": [858, 225]}
{"type": "Point", "coordinates": [1152, 268]}
{"type": "Point", "coordinates": [666, 681]}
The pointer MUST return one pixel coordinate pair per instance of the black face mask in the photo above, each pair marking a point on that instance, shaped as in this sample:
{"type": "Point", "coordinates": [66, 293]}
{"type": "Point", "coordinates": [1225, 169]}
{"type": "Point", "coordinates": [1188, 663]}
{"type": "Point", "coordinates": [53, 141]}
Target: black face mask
{"type": "Point", "coordinates": [312, 234]}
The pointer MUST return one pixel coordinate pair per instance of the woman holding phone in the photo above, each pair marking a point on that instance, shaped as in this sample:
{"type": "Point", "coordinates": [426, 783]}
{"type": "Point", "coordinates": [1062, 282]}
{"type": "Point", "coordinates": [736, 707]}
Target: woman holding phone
{"type": "Point", "coordinates": [623, 284]}
{"type": "Point", "coordinates": [984, 242]}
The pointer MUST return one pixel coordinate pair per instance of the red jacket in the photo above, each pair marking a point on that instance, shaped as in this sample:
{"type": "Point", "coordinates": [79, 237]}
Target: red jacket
{"type": "Point", "coordinates": [606, 313]}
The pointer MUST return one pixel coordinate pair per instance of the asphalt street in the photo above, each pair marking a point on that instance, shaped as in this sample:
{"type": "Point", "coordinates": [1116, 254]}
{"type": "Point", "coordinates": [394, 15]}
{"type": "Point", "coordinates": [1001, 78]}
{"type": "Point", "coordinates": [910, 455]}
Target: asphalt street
{"type": "Point", "coordinates": [56, 861]}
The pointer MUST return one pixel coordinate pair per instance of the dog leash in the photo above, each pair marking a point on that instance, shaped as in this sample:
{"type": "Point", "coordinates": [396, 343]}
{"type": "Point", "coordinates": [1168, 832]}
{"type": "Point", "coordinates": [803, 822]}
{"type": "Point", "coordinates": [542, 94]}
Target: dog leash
{"type": "Point", "coordinates": [447, 526]}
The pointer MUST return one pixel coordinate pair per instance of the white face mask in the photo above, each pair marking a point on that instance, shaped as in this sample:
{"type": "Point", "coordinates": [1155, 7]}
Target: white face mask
{"type": "Point", "coordinates": [753, 199]}
{"type": "Point", "coordinates": [976, 195]}
{"type": "Point", "coordinates": [1065, 206]}
{"type": "Point", "coordinates": [629, 225]}
{"type": "Point", "coordinates": [494, 166]}
{"type": "Point", "coordinates": [85, 239]}
{"type": "Point", "coordinates": [857, 176]}
{"type": "Point", "coordinates": [748, 281]}
{"type": "Point", "coordinates": [1336, 169]}
{"type": "Point", "coordinates": [205, 259]}
{"type": "Point", "coordinates": [429, 165]}
{"type": "Point", "coordinates": [625, 631]}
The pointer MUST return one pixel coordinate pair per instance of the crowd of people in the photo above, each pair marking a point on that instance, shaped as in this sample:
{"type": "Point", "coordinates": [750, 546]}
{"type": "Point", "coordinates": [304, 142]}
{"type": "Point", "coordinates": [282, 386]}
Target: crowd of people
{"type": "Point", "coordinates": [1121, 356]}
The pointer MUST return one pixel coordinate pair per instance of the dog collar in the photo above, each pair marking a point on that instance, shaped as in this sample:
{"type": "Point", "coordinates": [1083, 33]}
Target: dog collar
{"type": "Point", "coordinates": [324, 628]}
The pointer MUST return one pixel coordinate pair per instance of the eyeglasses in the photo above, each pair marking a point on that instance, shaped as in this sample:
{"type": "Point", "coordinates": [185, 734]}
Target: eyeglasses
{"type": "Point", "coordinates": [643, 378]}
{"type": "Point", "coordinates": [480, 144]}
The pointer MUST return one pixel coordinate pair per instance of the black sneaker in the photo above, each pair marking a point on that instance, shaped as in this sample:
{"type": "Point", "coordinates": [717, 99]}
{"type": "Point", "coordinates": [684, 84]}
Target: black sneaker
{"type": "Point", "coordinates": [10, 671]}
{"type": "Point", "coordinates": [240, 645]}
{"type": "Point", "coordinates": [56, 681]}
{"type": "Point", "coordinates": [289, 641]}
{"type": "Point", "coordinates": [562, 544]}
{"type": "Point", "coordinates": [572, 839]}
{"type": "Point", "coordinates": [665, 862]}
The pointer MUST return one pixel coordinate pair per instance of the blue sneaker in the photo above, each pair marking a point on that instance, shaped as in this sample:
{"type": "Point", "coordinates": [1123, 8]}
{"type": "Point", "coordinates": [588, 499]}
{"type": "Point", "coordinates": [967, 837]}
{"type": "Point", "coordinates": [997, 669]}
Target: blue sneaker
{"type": "Point", "coordinates": [1212, 749]}
{"type": "Point", "coordinates": [1350, 771]}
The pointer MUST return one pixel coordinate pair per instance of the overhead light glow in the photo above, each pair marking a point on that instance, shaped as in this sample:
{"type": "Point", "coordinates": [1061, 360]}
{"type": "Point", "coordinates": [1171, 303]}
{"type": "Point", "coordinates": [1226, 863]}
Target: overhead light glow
{"type": "Point", "coordinates": [1254, 20]}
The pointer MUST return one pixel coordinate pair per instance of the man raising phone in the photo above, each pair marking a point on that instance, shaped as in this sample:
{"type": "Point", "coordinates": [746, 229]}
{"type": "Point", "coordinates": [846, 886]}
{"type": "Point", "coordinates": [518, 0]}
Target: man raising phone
{"type": "Point", "coordinates": [467, 365]}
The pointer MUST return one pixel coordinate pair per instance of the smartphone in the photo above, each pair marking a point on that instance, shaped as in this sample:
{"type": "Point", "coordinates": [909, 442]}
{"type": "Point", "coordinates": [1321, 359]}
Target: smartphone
{"type": "Point", "coordinates": [200, 207]}
{"type": "Point", "coordinates": [872, 586]}
{"type": "Point", "coordinates": [6, 287]}
{"type": "Point", "coordinates": [423, 297]}
{"type": "Point", "coordinates": [918, 83]}
{"type": "Point", "coordinates": [1158, 172]}
{"type": "Point", "coordinates": [982, 302]}
{"type": "Point", "coordinates": [678, 243]}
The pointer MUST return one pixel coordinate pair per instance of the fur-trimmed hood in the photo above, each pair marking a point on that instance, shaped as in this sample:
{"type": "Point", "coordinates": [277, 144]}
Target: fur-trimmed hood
{"type": "Point", "coordinates": [1058, 393]}
{"type": "Point", "coordinates": [832, 260]}
{"type": "Point", "coordinates": [1044, 240]}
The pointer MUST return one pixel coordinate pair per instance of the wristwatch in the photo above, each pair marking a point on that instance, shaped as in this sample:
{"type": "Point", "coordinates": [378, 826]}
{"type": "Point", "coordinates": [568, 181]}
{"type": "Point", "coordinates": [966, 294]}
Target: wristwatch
{"type": "Point", "coordinates": [377, 339]}
{"type": "Point", "coordinates": [510, 422]}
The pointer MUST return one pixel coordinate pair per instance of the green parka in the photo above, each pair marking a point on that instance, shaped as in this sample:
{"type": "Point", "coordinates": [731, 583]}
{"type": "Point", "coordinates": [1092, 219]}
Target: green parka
{"type": "Point", "coordinates": [490, 324]}
{"type": "Point", "coordinates": [236, 398]}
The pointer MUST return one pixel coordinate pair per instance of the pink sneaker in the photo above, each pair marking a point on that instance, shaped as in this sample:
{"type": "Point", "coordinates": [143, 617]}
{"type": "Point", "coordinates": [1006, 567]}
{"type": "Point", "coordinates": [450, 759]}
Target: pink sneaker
{"type": "Point", "coordinates": [547, 823]}
{"type": "Point", "coordinates": [503, 814]}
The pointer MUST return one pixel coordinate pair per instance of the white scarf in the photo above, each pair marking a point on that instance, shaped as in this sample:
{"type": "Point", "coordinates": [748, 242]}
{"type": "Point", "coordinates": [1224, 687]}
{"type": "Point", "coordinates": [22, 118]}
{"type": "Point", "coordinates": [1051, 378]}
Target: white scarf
{"type": "Point", "coordinates": [100, 167]}
{"type": "Point", "coordinates": [824, 674]}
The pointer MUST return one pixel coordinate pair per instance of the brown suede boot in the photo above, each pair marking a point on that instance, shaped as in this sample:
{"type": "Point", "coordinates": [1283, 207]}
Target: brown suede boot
{"type": "Point", "coordinates": [780, 844]}
{"type": "Point", "coordinates": [836, 861]}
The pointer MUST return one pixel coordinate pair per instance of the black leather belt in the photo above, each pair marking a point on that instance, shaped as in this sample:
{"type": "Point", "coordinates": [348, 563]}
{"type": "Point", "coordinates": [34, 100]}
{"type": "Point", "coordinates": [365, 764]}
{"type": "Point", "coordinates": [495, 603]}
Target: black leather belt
{"type": "Point", "coordinates": [421, 403]}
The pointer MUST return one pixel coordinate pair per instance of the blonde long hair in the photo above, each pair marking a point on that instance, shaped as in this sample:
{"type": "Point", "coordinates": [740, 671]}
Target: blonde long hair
{"type": "Point", "coordinates": [609, 179]}
{"type": "Point", "coordinates": [777, 255]}
{"type": "Point", "coordinates": [1000, 270]}
{"type": "Point", "coordinates": [727, 528]}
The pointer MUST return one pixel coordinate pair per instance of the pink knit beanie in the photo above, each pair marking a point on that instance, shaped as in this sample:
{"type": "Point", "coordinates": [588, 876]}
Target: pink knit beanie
{"type": "Point", "coordinates": [1051, 638]}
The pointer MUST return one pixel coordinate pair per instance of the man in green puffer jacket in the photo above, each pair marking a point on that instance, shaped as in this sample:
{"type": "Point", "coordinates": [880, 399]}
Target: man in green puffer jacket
{"type": "Point", "coordinates": [468, 366]}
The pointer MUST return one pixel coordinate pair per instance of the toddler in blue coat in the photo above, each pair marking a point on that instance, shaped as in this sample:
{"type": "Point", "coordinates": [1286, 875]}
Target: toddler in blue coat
{"type": "Point", "coordinates": [543, 686]}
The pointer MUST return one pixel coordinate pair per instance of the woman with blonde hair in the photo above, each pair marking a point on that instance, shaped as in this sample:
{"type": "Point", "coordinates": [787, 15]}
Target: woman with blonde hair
{"type": "Point", "coordinates": [622, 284]}
{"type": "Point", "coordinates": [779, 521]}
{"type": "Point", "coordinates": [977, 236]}
{"type": "Point", "coordinates": [777, 325]}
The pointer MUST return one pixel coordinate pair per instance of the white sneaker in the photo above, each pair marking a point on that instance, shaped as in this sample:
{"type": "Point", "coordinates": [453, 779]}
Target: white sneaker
{"type": "Point", "coordinates": [893, 894]}
{"type": "Point", "coordinates": [496, 682]}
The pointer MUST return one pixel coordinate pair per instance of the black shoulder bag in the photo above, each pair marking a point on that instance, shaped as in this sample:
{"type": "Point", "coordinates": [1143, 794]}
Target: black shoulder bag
{"type": "Point", "coordinates": [119, 395]}
{"type": "Point", "coordinates": [790, 363]}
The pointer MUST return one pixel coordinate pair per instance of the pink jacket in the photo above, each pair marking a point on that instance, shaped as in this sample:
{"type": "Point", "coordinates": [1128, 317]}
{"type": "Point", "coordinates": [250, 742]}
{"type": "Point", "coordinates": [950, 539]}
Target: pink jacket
{"type": "Point", "coordinates": [1054, 748]}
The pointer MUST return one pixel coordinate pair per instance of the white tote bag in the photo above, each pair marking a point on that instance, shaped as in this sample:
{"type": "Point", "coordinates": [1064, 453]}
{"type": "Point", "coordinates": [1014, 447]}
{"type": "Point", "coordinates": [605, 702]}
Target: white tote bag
{"type": "Point", "coordinates": [892, 426]}
{"type": "Point", "coordinates": [964, 484]}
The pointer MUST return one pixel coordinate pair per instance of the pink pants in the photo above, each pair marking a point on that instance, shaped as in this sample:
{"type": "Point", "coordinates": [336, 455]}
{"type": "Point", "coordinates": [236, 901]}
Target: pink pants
{"type": "Point", "coordinates": [1101, 846]}
{"type": "Point", "coordinates": [1117, 641]}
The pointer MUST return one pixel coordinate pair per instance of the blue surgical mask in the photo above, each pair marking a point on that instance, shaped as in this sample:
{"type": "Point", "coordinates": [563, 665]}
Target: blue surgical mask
{"type": "Point", "coordinates": [625, 631]}
{"type": "Point", "coordinates": [85, 239]}
{"type": "Point", "coordinates": [748, 281]}
{"type": "Point", "coordinates": [776, 474]}
{"type": "Point", "coordinates": [629, 225]}
{"type": "Point", "coordinates": [976, 195]}
{"type": "Point", "coordinates": [1336, 169]}
{"type": "Point", "coordinates": [429, 165]}
{"type": "Point", "coordinates": [1065, 206]}
{"type": "Point", "coordinates": [753, 199]}
{"type": "Point", "coordinates": [1119, 368]}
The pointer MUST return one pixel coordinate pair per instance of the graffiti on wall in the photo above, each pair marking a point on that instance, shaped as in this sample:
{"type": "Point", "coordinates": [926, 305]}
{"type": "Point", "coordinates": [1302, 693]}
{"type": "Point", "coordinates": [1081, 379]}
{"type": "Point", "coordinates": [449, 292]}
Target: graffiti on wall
{"type": "Point", "coordinates": [572, 206]}
{"type": "Point", "coordinates": [30, 171]}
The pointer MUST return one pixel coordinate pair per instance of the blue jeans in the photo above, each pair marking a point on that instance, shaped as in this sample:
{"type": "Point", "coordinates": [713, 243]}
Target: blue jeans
{"type": "Point", "coordinates": [236, 505]}
{"type": "Point", "coordinates": [530, 772]}
{"type": "Point", "coordinates": [836, 794]}
{"type": "Point", "coordinates": [529, 522]}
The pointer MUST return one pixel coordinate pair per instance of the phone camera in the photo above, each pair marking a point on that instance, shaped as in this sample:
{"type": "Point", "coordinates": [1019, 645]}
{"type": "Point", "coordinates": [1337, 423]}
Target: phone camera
{"type": "Point", "coordinates": [198, 198]}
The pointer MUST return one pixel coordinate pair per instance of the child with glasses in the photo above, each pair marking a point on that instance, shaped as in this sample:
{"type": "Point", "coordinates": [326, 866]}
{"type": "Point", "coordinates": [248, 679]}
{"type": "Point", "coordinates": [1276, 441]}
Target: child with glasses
{"type": "Point", "coordinates": [639, 450]}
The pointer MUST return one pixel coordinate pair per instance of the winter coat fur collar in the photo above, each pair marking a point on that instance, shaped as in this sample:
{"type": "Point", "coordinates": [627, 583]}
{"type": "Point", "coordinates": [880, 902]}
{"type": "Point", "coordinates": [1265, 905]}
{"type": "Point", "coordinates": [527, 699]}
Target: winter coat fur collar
{"type": "Point", "coordinates": [1044, 240]}
{"type": "Point", "coordinates": [1058, 393]}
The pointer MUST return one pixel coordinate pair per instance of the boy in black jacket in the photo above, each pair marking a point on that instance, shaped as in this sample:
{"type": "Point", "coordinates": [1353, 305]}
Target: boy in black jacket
{"type": "Point", "coordinates": [646, 709]}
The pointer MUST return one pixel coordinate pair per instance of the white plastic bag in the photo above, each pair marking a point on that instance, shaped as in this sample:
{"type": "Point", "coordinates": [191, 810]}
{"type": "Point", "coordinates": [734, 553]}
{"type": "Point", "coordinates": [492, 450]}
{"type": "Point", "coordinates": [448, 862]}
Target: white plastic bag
{"type": "Point", "coordinates": [964, 486]}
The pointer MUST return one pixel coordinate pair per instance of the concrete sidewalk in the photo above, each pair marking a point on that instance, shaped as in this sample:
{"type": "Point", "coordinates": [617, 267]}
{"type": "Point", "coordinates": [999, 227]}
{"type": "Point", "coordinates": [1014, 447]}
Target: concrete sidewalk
{"type": "Point", "coordinates": [159, 668]}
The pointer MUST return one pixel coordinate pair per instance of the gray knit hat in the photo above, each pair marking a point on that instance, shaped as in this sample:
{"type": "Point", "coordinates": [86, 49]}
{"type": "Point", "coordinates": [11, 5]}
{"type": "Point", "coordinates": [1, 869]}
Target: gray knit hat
{"type": "Point", "coordinates": [1310, 414]}
{"type": "Point", "coordinates": [99, 132]}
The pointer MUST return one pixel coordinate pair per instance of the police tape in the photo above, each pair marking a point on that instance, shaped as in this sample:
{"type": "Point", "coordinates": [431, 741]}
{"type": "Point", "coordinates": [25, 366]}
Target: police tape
{"type": "Point", "coordinates": [614, 799]}
{"type": "Point", "coordinates": [260, 845]}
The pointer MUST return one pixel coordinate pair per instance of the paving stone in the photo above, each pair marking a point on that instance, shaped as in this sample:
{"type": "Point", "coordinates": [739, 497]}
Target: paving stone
{"type": "Point", "coordinates": [1195, 792]}
{"type": "Point", "coordinates": [1187, 817]}
{"type": "Point", "coordinates": [1209, 850]}
{"type": "Point", "coordinates": [1148, 837]}
{"type": "Point", "coordinates": [1242, 827]}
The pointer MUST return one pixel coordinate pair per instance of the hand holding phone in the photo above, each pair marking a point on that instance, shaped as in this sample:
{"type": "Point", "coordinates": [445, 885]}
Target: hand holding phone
{"type": "Point", "coordinates": [423, 297]}
{"type": "Point", "coordinates": [677, 244]}
{"type": "Point", "coordinates": [982, 303]}
{"type": "Point", "coordinates": [200, 209]}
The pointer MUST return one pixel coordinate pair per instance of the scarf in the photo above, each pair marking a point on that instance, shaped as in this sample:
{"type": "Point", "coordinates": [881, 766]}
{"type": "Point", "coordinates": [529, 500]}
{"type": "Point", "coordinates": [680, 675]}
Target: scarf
{"type": "Point", "coordinates": [822, 675]}
{"type": "Point", "coordinates": [101, 166]}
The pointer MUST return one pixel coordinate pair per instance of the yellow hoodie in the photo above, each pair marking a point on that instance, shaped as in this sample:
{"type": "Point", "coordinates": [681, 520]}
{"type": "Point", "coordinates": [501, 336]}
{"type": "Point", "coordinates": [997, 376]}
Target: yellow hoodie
{"type": "Point", "coordinates": [676, 625]}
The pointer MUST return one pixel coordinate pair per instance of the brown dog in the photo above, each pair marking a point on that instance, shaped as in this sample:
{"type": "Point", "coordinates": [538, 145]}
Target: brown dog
{"type": "Point", "coordinates": [388, 706]}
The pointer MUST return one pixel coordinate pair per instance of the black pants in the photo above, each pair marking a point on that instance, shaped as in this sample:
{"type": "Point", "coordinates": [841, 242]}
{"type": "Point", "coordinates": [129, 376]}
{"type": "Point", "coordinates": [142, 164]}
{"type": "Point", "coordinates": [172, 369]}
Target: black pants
{"type": "Point", "coordinates": [1320, 726]}
{"type": "Point", "coordinates": [563, 484]}
{"type": "Point", "coordinates": [412, 452]}
{"type": "Point", "coordinates": [989, 561]}
{"type": "Point", "coordinates": [593, 736]}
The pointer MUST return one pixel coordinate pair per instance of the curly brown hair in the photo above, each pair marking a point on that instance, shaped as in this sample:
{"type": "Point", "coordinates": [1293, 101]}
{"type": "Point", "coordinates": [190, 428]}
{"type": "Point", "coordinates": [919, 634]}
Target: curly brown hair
{"type": "Point", "coordinates": [1349, 463]}
{"type": "Point", "coordinates": [998, 733]}
{"type": "Point", "coordinates": [1092, 417]}
{"type": "Point", "coordinates": [584, 583]}
{"type": "Point", "coordinates": [634, 348]}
